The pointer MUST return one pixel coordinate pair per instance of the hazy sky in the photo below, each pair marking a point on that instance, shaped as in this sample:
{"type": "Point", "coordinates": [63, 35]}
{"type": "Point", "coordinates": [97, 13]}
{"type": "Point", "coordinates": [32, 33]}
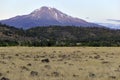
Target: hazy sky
{"type": "Point", "coordinates": [90, 10]}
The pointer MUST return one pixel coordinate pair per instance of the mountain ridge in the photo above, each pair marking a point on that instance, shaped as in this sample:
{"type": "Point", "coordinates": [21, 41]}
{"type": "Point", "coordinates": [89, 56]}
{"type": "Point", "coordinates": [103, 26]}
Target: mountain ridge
{"type": "Point", "coordinates": [59, 36]}
{"type": "Point", "coordinates": [110, 25]}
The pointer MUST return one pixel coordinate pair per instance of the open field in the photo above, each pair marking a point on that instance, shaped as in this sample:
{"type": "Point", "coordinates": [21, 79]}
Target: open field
{"type": "Point", "coordinates": [59, 63]}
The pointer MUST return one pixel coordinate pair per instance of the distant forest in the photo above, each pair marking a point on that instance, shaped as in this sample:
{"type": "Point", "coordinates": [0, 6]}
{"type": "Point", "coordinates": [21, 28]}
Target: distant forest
{"type": "Point", "coordinates": [59, 36]}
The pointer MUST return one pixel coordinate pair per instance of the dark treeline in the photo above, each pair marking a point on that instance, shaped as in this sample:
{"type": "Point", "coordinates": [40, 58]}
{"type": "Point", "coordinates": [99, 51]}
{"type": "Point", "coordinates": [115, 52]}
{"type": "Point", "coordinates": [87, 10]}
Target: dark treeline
{"type": "Point", "coordinates": [59, 36]}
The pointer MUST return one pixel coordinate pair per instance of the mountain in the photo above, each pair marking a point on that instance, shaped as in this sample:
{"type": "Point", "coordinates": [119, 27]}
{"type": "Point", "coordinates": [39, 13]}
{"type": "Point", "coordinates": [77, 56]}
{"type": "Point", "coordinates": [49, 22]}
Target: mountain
{"type": "Point", "coordinates": [114, 20]}
{"type": "Point", "coordinates": [45, 16]}
{"type": "Point", "coordinates": [110, 25]}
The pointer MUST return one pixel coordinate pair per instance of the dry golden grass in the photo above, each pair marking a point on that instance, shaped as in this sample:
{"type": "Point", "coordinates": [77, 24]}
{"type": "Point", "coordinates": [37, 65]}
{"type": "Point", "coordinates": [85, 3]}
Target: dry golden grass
{"type": "Point", "coordinates": [59, 63]}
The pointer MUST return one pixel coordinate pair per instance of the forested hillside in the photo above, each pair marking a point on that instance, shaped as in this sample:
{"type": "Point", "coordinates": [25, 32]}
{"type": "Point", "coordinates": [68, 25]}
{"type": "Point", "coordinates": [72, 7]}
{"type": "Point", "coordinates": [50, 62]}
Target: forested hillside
{"type": "Point", "coordinates": [59, 36]}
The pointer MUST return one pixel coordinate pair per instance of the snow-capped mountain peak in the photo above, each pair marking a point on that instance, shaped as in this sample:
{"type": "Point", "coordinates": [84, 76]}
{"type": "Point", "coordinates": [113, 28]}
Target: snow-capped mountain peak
{"type": "Point", "coordinates": [48, 12]}
{"type": "Point", "coordinates": [46, 16]}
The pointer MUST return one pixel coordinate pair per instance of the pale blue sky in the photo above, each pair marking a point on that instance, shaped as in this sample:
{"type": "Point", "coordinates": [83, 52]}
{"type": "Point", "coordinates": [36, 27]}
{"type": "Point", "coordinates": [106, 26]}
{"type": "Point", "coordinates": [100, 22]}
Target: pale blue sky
{"type": "Point", "coordinates": [90, 10]}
